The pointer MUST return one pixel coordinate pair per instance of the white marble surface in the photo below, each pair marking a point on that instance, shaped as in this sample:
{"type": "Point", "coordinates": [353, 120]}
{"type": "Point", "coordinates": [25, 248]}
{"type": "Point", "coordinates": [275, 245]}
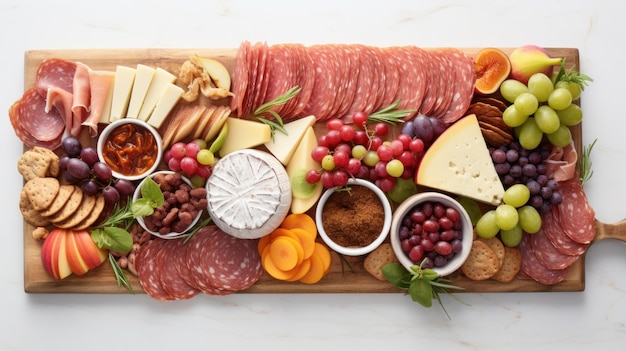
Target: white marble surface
{"type": "Point", "coordinates": [573, 321]}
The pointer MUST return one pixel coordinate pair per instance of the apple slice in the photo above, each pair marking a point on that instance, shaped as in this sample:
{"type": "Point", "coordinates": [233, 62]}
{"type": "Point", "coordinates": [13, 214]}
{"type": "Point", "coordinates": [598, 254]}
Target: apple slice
{"type": "Point", "coordinates": [53, 254]}
{"type": "Point", "coordinates": [89, 251]}
{"type": "Point", "coordinates": [300, 163]}
{"type": "Point", "coordinates": [74, 259]}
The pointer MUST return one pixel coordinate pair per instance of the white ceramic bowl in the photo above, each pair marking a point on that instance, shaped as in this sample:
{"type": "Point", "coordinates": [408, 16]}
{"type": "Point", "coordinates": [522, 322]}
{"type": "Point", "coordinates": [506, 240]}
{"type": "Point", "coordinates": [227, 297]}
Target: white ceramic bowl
{"type": "Point", "coordinates": [137, 122]}
{"type": "Point", "coordinates": [354, 251]}
{"type": "Point", "coordinates": [407, 205]}
{"type": "Point", "coordinates": [172, 235]}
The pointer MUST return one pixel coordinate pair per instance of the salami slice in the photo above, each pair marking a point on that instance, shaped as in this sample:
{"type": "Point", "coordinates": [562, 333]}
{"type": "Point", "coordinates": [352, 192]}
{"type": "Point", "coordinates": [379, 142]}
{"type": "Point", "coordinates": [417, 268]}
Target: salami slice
{"type": "Point", "coordinates": [240, 78]}
{"type": "Point", "coordinates": [556, 234]}
{"type": "Point", "coordinates": [463, 88]}
{"type": "Point", "coordinates": [32, 125]}
{"type": "Point", "coordinates": [548, 254]}
{"type": "Point", "coordinates": [149, 270]}
{"type": "Point", "coordinates": [199, 264]}
{"type": "Point", "coordinates": [306, 81]}
{"type": "Point", "coordinates": [365, 84]}
{"type": "Point", "coordinates": [171, 281]}
{"type": "Point", "coordinates": [577, 216]}
{"type": "Point", "coordinates": [322, 98]}
{"type": "Point", "coordinates": [532, 267]}
{"type": "Point", "coordinates": [55, 72]}
{"type": "Point", "coordinates": [392, 76]}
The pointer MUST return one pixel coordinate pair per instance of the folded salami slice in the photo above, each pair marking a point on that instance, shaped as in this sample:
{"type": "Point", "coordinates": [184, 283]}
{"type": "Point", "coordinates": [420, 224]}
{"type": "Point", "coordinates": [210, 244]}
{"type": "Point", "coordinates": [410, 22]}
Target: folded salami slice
{"type": "Point", "coordinates": [577, 218]}
{"type": "Point", "coordinates": [548, 254]}
{"type": "Point", "coordinates": [32, 125]}
{"type": "Point", "coordinates": [552, 228]}
{"type": "Point", "coordinates": [532, 267]}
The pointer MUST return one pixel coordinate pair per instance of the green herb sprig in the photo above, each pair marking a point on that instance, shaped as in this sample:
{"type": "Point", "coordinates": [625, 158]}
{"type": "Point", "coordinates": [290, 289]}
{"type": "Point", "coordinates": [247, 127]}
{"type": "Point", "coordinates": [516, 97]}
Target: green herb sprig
{"type": "Point", "coordinates": [390, 114]}
{"type": "Point", "coordinates": [422, 284]}
{"type": "Point", "coordinates": [572, 76]}
{"type": "Point", "coordinates": [585, 163]}
{"type": "Point", "coordinates": [277, 124]}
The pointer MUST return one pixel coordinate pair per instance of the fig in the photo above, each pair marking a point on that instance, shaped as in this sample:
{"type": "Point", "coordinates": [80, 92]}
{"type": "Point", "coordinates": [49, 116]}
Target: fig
{"type": "Point", "coordinates": [527, 60]}
{"type": "Point", "coordinates": [492, 68]}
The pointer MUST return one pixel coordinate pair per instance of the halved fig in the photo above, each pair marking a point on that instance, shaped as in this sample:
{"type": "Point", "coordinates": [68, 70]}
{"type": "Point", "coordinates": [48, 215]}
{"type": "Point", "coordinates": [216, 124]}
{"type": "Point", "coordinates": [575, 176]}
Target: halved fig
{"type": "Point", "coordinates": [492, 68]}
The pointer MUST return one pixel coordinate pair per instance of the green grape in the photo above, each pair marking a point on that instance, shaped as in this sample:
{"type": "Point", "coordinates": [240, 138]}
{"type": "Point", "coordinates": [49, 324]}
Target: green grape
{"type": "Point", "coordinates": [371, 158]}
{"type": "Point", "coordinates": [561, 138]}
{"type": "Point", "coordinates": [571, 115]}
{"type": "Point", "coordinates": [529, 134]}
{"type": "Point", "coordinates": [512, 117]}
{"type": "Point", "coordinates": [560, 99]}
{"type": "Point", "coordinates": [547, 119]}
{"type": "Point", "coordinates": [205, 157]}
{"type": "Point", "coordinates": [486, 226]}
{"type": "Point", "coordinates": [573, 88]}
{"type": "Point", "coordinates": [516, 195]}
{"type": "Point", "coordinates": [540, 85]}
{"type": "Point", "coordinates": [526, 103]}
{"type": "Point", "coordinates": [395, 168]}
{"type": "Point", "coordinates": [529, 219]}
{"type": "Point", "coordinates": [359, 151]}
{"type": "Point", "coordinates": [511, 237]}
{"type": "Point", "coordinates": [328, 162]}
{"type": "Point", "coordinates": [506, 216]}
{"type": "Point", "coordinates": [511, 88]}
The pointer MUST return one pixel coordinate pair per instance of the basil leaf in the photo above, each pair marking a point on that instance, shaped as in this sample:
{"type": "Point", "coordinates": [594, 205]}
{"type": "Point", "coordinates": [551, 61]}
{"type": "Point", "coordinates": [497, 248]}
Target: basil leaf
{"type": "Point", "coordinates": [142, 207]}
{"type": "Point", "coordinates": [421, 292]}
{"type": "Point", "coordinates": [113, 238]}
{"type": "Point", "coordinates": [397, 275]}
{"type": "Point", "coordinates": [150, 190]}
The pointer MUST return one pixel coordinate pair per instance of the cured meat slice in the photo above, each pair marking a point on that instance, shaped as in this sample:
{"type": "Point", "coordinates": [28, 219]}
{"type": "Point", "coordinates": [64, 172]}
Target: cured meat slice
{"type": "Point", "coordinates": [532, 267]}
{"type": "Point", "coordinates": [150, 269]}
{"type": "Point", "coordinates": [32, 124]}
{"type": "Point", "coordinates": [548, 254]}
{"type": "Point", "coordinates": [240, 78]}
{"type": "Point", "coordinates": [347, 64]}
{"type": "Point", "coordinates": [365, 85]}
{"type": "Point", "coordinates": [281, 76]}
{"type": "Point", "coordinates": [55, 72]}
{"type": "Point", "coordinates": [262, 80]}
{"type": "Point", "coordinates": [235, 263]}
{"type": "Point", "coordinates": [171, 281]}
{"type": "Point", "coordinates": [552, 228]}
{"type": "Point", "coordinates": [561, 164]}
{"type": "Point", "coordinates": [199, 264]}
{"type": "Point", "coordinates": [81, 91]}
{"type": "Point", "coordinates": [463, 87]}
{"type": "Point", "coordinates": [392, 76]}
{"type": "Point", "coordinates": [577, 216]}
{"type": "Point", "coordinates": [101, 83]}
{"type": "Point", "coordinates": [306, 81]}
{"type": "Point", "coordinates": [323, 96]}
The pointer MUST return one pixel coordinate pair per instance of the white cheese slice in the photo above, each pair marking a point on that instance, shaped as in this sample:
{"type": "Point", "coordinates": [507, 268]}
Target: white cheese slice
{"type": "Point", "coordinates": [248, 194]}
{"type": "Point", "coordinates": [168, 99]}
{"type": "Point", "coordinates": [244, 134]}
{"type": "Point", "coordinates": [160, 80]}
{"type": "Point", "coordinates": [284, 145]}
{"type": "Point", "coordinates": [124, 79]}
{"type": "Point", "coordinates": [143, 78]}
{"type": "Point", "coordinates": [459, 162]}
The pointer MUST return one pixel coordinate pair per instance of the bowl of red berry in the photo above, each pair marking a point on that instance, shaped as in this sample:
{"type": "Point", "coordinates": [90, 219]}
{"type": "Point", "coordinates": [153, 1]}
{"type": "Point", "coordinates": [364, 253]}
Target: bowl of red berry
{"type": "Point", "coordinates": [433, 230]}
{"type": "Point", "coordinates": [131, 148]}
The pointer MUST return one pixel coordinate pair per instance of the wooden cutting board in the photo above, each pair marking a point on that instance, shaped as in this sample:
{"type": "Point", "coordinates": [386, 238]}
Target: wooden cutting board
{"type": "Point", "coordinates": [346, 274]}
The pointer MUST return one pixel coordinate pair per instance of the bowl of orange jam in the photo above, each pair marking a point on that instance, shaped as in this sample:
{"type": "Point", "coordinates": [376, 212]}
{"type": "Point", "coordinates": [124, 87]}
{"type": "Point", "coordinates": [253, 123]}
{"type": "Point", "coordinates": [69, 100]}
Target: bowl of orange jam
{"type": "Point", "coordinates": [131, 147]}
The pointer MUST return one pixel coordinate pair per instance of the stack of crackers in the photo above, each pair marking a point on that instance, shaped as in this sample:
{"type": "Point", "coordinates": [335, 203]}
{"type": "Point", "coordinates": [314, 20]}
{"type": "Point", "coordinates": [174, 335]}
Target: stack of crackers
{"type": "Point", "coordinates": [45, 201]}
{"type": "Point", "coordinates": [491, 259]}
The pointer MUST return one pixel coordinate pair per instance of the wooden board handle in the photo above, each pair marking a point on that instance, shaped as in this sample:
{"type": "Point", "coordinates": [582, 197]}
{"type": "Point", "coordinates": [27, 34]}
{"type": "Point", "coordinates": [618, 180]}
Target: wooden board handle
{"type": "Point", "coordinates": [611, 231]}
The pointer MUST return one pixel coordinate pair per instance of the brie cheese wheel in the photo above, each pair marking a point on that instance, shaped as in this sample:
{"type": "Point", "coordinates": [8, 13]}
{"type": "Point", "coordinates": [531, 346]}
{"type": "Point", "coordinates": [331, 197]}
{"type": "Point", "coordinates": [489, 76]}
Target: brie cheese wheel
{"type": "Point", "coordinates": [248, 194]}
{"type": "Point", "coordinates": [459, 162]}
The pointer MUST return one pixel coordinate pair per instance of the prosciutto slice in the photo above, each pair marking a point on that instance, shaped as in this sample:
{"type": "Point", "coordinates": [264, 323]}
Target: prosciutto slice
{"type": "Point", "coordinates": [561, 164]}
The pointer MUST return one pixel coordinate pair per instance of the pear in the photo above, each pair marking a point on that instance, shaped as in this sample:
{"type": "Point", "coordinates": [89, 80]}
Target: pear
{"type": "Point", "coordinates": [527, 60]}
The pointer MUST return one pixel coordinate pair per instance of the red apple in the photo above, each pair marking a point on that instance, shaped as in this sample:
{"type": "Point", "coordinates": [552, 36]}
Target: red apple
{"type": "Point", "coordinates": [88, 250]}
{"type": "Point", "coordinates": [53, 254]}
{"type": "Point", "coordinates": [75, 260]}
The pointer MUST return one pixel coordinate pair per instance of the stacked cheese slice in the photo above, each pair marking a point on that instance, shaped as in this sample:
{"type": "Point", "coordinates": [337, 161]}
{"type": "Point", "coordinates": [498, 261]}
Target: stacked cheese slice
{"type": "Point", "coordinates": [141, 92]}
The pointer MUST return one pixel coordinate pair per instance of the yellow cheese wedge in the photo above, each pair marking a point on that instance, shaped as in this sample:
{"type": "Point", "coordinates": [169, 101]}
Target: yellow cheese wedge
{"type": "Point", "coordinates": [159, 82]}
{"type": "Point", "coordinates": [168, 99]}
{"type": "Point", "coordinates": [244, 134]}
{"type": "Point", "coordinates": [122, 88]}
{"type": "Point", "coordinates": [143, 78]}
{"type": "Point", "coordinates": [284, 145]}
{"type": "Point", "coordinates": [459, 162]}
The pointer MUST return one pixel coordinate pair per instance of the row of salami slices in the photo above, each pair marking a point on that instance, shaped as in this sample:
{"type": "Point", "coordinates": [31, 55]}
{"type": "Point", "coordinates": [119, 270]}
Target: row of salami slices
{"type": "Point", "coordinates": [565, 234]}
{"type": "Point", "coordinates": [211, 262]}
{"type": "Point", "coordinates": [337, 80]}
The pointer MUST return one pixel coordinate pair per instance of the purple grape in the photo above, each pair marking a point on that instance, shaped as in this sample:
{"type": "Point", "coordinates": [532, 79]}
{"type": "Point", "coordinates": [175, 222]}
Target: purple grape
{"type": "Point", "coordinates": [515, 171]}
{"type": "Point", "coordinates": [423, 128]}
{"type": "Point", "coordinates": [407, 128]}
{"type": "Point", "coordinates": [512, 155]}
{"type": "Point", "coordinates": [502, 168]}
{"type": "Point", "coordinates": [533, 187]}
{"type": "Point", "coordinates": [124, 187]}
{"type": "Point", "coordinates": [530, 170]}
{"type": "Point", "coordinates": [72, 146]}
{"type": "Point", "coordinates": [553, 184]}
{"type": "Point", "coordinates": [546, 193]}
{"type": "Point", "coordinates": [556, 198]}
{"type": "Point", "coordinates": [542, 179]}
{"type": "Point", "coordinates": [63, 162]}
{"type": "Point", "coordinates": [90, 187]}
{"type": "Point", "coordinates": [89, 155]}
{"type": "Point", "coordinates": [534, 157]}
{"type": "Point", "coordinates": [438, 126]}
{"type": "Point", "coordinates": [536, 201]}
{"type": "Point", "coordinates": [102, 171]}
{"type": "Point", "coordinates": [70, 178]}
{"type": "Point", "coordinates": [78, 168]}
{"type": "Point", "coordinates": [111, 195]}
{"type": "Point", "coordinates": [498, 156]}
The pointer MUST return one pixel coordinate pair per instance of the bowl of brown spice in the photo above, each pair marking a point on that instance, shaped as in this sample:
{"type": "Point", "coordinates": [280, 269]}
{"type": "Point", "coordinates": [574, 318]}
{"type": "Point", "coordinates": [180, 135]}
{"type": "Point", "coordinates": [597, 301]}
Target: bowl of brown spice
{"type": "Point", "coordinates": [355, 219]}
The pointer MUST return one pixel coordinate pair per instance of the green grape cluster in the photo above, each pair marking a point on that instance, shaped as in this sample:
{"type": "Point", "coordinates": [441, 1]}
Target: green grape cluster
{"type": "Point", "coordinates": [510, 219]}
{"type": "Point", "coordinates": [540, 108]}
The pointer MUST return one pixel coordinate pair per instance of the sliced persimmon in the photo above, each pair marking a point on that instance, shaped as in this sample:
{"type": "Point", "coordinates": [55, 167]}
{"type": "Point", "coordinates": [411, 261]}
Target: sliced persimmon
{"type": "Point", "coordinates": [324, 254]}
{"type": "Point", "coordinates": [316, 271]}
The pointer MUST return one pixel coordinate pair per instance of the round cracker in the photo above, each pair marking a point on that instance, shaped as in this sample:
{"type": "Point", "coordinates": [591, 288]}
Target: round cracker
{"type": "Point", "coordinates": [29, 213]}
{"type": "Point", "coordinates": [65, 191]}
{"type": "Point", "coordinates": [82, 212]}
{"type": "Point", "coordinates": [497, 246]}
{"type": "Point", "coordinates": [42, 191]}
{"type": "Point", "coordinates": [94, 215]}
{"type": "Point", "coordinates": [482, 262]}
{"type": "Point", "coordinates": [511, 266]}
{"type": "Point", "coordinates": [71, 205]}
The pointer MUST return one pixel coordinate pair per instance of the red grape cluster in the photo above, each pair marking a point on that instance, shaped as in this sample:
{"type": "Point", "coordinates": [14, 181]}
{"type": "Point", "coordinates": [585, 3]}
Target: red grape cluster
{"type": "Point", "coordinates": [81, 166]}
{"type": "Point", "coordinates": [359, 150]}
{"type": "Point", "coordinates": [192, 158]}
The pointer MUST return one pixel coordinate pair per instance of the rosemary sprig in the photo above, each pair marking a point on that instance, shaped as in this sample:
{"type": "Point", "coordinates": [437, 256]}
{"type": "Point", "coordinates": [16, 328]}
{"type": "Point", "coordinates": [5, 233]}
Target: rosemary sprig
{"type": "Point", "coordinates": [572, 76]}
{"type": "Point", "coordinates": [585, 163]}
{"type": "Point", "coordinates": [390, 114]}
{"type": "Point", "coordinates": [267, 107]}
{"type": "Point", "coordinates": [120, 276]}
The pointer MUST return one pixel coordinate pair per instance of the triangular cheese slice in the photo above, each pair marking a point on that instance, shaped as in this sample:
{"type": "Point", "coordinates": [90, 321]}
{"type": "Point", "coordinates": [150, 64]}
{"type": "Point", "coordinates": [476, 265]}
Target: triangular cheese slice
{"type": "Point", "coordinates": [244, 134]}
{"type": "Point", "coordinates": [284, 145]}
{"type": "Point", "coordinates": [459, 162]}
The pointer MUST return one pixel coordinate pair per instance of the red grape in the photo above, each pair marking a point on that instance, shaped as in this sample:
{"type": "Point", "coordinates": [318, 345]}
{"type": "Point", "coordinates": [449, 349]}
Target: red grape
{"type": "Point", "coordinates": [313, 176]}
{"type": "Point", "coordinates": [89, 155]}
{"type": "Point", "coordinates": [347, 132]}
{"type": "Point", "coordinates": [397, 147]}
{"type": "Point", "coordinates": [344, 147]}
{"type": "Point", "coordinates": [204, 171]}
{"type": "Point", "coordinates": [360, 119]}
{"type": "Point", "coordinates": [124, 187]}
{"type": "Point", "coordinates": [416, 145]}
{"type": "Point", "coordinates": [405, 139]}
{"type": "Point", "coordinates": [174, 164]}
{"type": "Point", "coordinates": [375, 142]}
{"type": "Point", "coordinates": [361, 138]}
{"type": "Point", "coordinates": [319, 152]}
{"type": "Point", "coordinates": [407, 158]}
{"type": "Point", "coordinates": [387, 184]}
{"type": "Point", "coordinates": [340, 177]}
{"type": "Point", "coordinates": [102, 171]}
{"type": "Point", "coordinates": [110, 194]}
{"type": "Point", "coordinates": [334, 124]}
{"type": "Point", "coordinates": [327, 179]}
{"type": "Point", "coordinates": [381, 129]}
{"type": "Point", "coordinates": [341, 158]}
{"type": "Point", "coordinates": [385, 153]}
{"type": "Point", "coordinates": [354, 166]}
{"type": "Point", "coordinates": [178, 150]}
{"type": "Point", "coordinates": [189, 165]}
{"type": "Point", "coordinates": [191, 149]}
{"type": "Point", "coordinates": [333, 138]}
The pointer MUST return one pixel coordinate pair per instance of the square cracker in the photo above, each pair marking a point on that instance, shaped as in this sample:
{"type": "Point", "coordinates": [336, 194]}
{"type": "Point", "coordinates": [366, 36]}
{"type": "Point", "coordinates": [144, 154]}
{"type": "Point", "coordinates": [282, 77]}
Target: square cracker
{"type": "Point", "coordinates": [31, 215]}
{"type": "Point", "coordinates": [55, 161]}
{"type": "Point", "coordinates": [33, 165]}
{"type": "Point", "coordinates": [375, 261]}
